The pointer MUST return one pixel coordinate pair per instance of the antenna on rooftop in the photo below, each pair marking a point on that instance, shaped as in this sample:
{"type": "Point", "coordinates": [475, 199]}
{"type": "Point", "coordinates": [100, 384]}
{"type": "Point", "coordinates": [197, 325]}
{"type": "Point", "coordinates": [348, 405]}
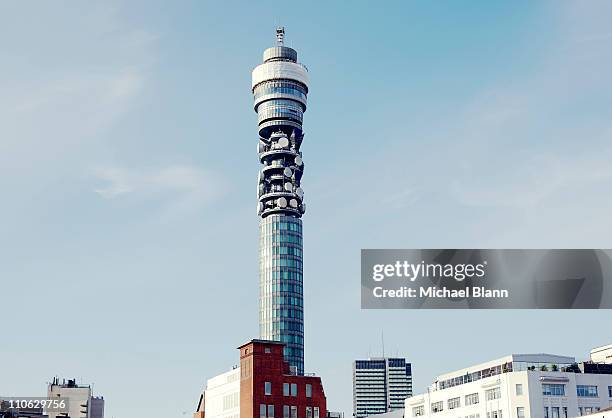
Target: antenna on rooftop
{"type": "Point", "coordinates": [280, 35]}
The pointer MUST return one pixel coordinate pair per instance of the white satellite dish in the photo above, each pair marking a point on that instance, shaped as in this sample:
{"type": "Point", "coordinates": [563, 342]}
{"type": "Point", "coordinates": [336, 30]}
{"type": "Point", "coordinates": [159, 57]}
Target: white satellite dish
{"type": "Point", "coordinates": [282, 202]}
{"type": "Point", "coordinates": [261, 147]}
{"type": "Point", "coordinates": [298, 161]}
{"type": "Point", "coordinates": [293, 203]}
{"type": "Point", "coordinates": [287, 172]}
{"type": "Point", "coordinates": [303, 207]}
{"type": "Point", "coordinates": [289, 186]}
{"type": "Point", "coordinates": [283, 142]}
{"type": "Point", "coordinates": [260, 207]}
{"type": "Point", "coordinates": [299, 192]}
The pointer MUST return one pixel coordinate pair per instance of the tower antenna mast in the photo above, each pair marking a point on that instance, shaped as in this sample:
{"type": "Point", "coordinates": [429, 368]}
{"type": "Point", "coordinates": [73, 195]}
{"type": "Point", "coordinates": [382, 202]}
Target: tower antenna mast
{"type": "Point", "coordinates": [280, 35]}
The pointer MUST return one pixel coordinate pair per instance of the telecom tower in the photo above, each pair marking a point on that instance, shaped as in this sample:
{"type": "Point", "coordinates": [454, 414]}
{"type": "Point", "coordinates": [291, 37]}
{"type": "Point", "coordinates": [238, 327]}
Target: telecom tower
{"type": "Point", "coordinates": [280, 87]}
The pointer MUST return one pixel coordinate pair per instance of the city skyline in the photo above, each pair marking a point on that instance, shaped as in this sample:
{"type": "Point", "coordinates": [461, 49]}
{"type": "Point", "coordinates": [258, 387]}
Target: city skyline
{"type": "Point", "coordinates": [127, 164]}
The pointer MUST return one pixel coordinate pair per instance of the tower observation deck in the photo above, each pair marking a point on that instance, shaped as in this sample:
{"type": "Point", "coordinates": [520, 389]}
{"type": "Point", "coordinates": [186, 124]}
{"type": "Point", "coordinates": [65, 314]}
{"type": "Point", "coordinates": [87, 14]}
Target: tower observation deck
{"type": "Point", "coordinates": [280, 88]}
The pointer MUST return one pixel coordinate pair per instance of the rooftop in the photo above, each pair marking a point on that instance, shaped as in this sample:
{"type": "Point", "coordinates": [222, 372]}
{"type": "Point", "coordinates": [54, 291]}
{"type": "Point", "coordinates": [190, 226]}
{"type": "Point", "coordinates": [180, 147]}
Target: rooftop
{"type": "Point", "coordinates": [70, 383]}
{"type": "Point", "coordinates": [258, 341]}
{"type": "Point", "coordinates": [602, 348]}
{"type": "Point", "coordinates": [531, 359]}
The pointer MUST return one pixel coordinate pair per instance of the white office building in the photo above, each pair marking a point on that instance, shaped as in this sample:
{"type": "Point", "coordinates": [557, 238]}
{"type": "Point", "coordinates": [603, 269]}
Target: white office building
{"type": "Point", "coordinates": [221, 398]}
{"type": "Point", "coordinates": [518, 386]}
{"type": "Point", "coordinates": [602, 354]}
{"type": "Point", "coordinates": [380, 385]}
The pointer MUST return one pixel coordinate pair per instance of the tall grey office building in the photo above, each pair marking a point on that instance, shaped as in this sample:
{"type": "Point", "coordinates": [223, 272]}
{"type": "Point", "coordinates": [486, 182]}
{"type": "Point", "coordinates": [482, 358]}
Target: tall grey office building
{"type": "Point", "coordinates": [380, 385]}
{"type": "Point", "coordinates": [280, 86]}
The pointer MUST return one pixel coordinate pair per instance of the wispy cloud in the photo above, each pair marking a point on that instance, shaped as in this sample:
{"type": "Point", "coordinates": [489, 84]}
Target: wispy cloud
{"type": "Point", "coordinates": [69, 76]}
{"type": "Point", "coordinates": [61, 93]}
{"type": "Point", "coordinates": [545, 136]}
{"type": "Point", "coordinates": [529, 151]}
{"type": "Point", "coordinates": [174, 187]}
{"type": "Point", "coordinates": [93, 96]}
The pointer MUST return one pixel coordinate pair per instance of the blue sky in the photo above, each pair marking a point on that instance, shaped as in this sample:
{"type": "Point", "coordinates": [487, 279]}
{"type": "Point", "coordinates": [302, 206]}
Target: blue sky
{"type": "Point", "coordinates": [128, 172]}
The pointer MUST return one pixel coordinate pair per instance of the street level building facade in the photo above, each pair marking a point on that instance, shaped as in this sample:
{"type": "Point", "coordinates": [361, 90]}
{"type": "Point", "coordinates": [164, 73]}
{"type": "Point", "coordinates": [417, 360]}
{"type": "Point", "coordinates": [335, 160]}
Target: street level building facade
{"type": "Point", "coordinates": [380, 385]}
{"type": "Point", "coordinates": [263, 386]}
{"type": "Point", "coordinates": [518, 386]}
{"type": "Point", "coordinates": [280, 88]}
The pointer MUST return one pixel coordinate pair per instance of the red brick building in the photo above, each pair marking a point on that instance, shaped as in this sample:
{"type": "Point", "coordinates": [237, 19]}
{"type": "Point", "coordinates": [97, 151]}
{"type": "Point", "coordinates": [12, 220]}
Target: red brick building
{"type": "Point", "coordinates": [269, 390]}
{"type": "Point", "coordinates": [199, 413]}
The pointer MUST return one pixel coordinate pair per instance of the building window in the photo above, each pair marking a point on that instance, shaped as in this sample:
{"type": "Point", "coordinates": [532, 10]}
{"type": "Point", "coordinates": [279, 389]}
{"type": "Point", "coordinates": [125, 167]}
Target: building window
{"type": "Point", "coordinates": [437, 406]}
{"type": "Point", "coordinates": [520, 412]}
{"type": "Point", "coordinates": [519, 389]}
{"type": "Point", "coordinates": [492, 394]}
{"type": "Point", "coordinates": [565, 412]}
{"type": "Point", "coordinates": [316, 412]}
{"type": "Point", "coordinates": [471, 399]}
{"type": "Point", "coordinates": [293, 411]}
{"type": "Point", "coordinates": [580, 412]}
{"type": "Point", "coordinates": [268, 388]}
{"type": "Point", "coordinates": [494, 414]}
{"type": "Point", "coordinates": [294, 389]}
{"type": "Point", "coordinates": [553, 389]}
{"type": "Point", "coordinates": [454, 403]}
{"type": "Point", "coordinates": [262, 411]}
{"type": "Point", "coordinates": [309, 412]}
{"type": "Point", "coordinates": [610, 391]}
{"type": "Point", "coordinates": [285, 389]}
{"type": "Point", "coordinates": [417, 411]}
{"type": "Point", "coordinates": [285, 411]}
{"type": "Point", "coordinates": [586, 391]}
{"type": "Point", "coordinates": [555, 412]}
{"type": "Point", "coordinates": [231, 401]}
{"type": "Point", "coordinates": [546, 412]}
{"type": "Point", "coordinates": [308, 390]}
{"type": "Point", "coordinates": [267, 350]}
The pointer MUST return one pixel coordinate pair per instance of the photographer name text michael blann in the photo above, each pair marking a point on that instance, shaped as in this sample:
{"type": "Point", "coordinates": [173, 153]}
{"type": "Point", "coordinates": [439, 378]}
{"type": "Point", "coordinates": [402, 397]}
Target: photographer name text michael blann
{"type": "Point", "coordinates": [440, 292]}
